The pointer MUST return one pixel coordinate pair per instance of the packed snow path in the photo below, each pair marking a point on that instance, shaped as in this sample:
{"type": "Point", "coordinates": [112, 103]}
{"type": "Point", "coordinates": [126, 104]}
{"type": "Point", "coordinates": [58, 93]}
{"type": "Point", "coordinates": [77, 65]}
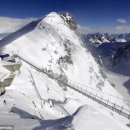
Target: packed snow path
{"type": "Point", "coordinates": [107, 103]}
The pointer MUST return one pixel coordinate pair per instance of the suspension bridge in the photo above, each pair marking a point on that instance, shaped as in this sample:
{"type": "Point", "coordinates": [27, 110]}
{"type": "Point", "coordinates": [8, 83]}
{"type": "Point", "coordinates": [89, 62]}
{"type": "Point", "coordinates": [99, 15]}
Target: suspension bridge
{"type": "Point", "coordinates": [90, 94]}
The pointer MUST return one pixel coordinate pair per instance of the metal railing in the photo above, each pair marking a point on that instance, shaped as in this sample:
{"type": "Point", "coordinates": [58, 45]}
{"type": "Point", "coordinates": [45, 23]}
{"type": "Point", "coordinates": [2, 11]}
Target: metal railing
{"type": "Point", "coordinates": [95, 97]}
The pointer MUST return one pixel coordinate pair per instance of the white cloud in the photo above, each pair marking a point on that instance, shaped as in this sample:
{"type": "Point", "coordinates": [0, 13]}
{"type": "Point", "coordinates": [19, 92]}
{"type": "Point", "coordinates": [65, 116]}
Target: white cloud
{"type": "Point", "coordinates": [8, 25]}
{"type": "Point", "coordinates": [122, 28]}
{"type": "Point", "coordinates": [114, 29]}
{"type": "Point", "coordinates": [85, 29]}
{"type": "Point", "coordinates": [121, 20]}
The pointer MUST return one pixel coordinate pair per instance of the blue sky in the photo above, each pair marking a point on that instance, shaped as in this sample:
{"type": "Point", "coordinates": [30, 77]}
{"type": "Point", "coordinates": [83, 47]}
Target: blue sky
{"type": "Point", "coordinates": [92, 15]}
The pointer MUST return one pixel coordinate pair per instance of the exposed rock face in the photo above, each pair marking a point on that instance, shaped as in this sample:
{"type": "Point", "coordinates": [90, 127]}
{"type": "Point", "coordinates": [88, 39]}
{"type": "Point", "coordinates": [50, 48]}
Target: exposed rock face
{"type": "Point", "coordinates": [70, 20]}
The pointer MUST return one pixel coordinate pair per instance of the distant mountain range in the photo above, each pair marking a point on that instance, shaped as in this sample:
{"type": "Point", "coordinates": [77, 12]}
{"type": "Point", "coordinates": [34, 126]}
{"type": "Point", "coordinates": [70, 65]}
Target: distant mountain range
{"type": "Point", "coordinates": [115, 47]}
{"type": "Point", "coordinates": [112, 52]}
{"type": "Point", "coordinates": [99, 38]}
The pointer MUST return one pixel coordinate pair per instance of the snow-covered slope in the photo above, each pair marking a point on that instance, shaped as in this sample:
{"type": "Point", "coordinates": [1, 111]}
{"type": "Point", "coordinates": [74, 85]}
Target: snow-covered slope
{"type": "Point", "coordinates": [114, 57]}
{"type": "Point", "coordinates": [53, 45]}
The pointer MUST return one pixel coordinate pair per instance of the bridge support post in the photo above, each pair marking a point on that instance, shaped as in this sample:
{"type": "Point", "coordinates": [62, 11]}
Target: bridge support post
{"type": "Point", "coordinates": [121, 109]}
{"type": "Point", "coordinates": [86, 90]}
{"type": "Point", "coordinates": [95, 95]}
{"type": "Point", "coordinates": [107, 102]}
{"type": "Point", "coordinates": [90, 93]}
{"type": "Point", "coordinates": [101, 98]}
{"type": "Point", "coordinates": [114, 105]}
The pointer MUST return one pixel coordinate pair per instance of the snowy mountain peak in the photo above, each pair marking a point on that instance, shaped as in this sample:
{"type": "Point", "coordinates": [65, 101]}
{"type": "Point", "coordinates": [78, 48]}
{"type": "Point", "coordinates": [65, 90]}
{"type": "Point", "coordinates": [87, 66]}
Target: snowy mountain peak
{"type": "Point", "coordinates": [64, 18]}
{"type": "Point", "coordinates": [52, 45]}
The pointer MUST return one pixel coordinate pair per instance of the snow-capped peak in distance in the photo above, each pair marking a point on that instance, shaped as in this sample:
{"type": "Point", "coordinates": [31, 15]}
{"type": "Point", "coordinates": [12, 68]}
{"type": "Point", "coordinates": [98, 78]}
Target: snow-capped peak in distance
{"type": "Point", "coordinates": [52, 44]}
{"type": "Point", "coordinates": [114, 56]}
{"type": "Point", "coordinates": [99, 38]}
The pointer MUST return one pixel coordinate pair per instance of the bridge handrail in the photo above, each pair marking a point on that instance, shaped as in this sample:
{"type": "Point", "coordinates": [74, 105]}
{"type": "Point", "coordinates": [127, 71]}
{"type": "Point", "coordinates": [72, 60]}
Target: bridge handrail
{"type": "Point", "coordinates": [122, 111]}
